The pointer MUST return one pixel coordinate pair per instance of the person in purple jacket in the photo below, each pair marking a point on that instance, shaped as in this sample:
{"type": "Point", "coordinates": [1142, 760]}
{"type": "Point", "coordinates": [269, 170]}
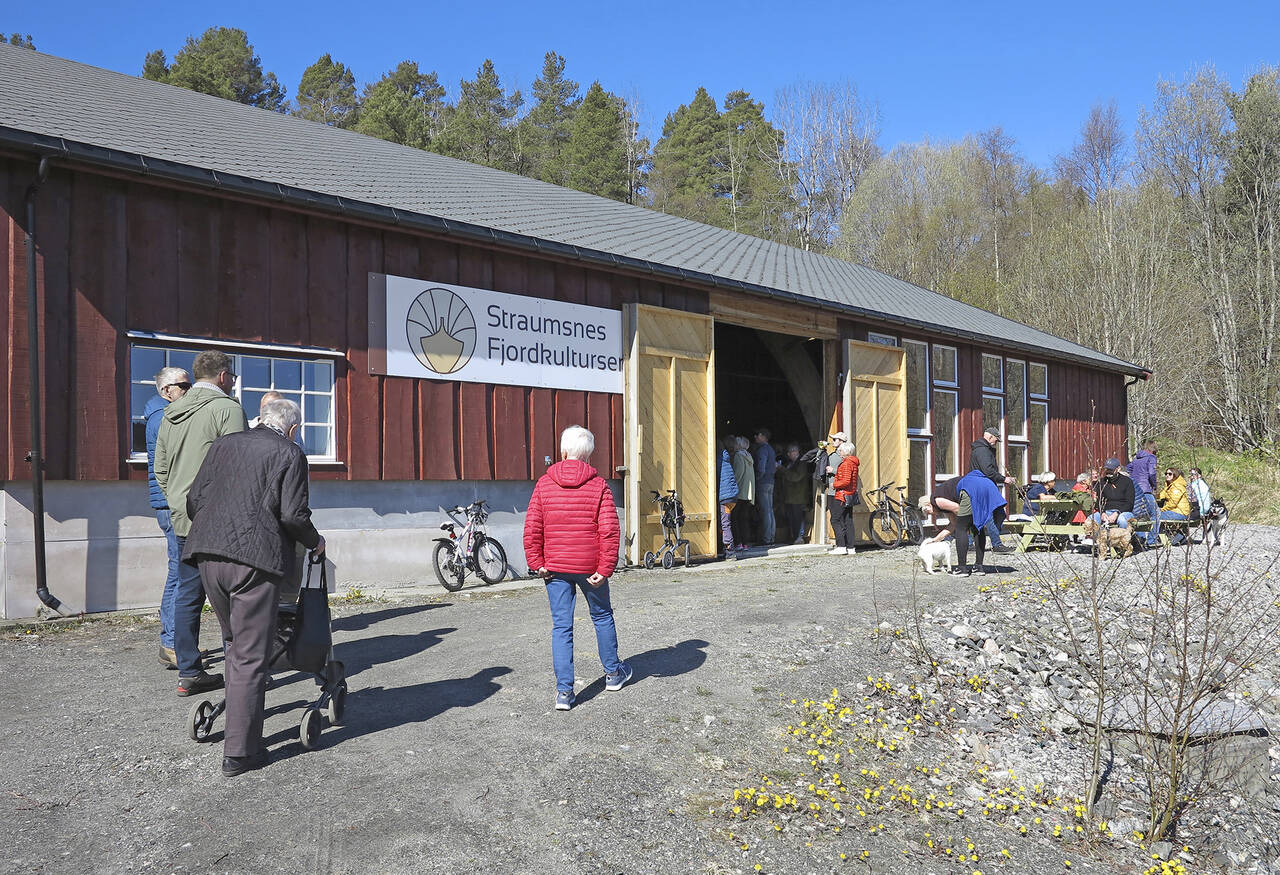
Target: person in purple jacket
{"type": "Point", "coordinates": [1142, 471]}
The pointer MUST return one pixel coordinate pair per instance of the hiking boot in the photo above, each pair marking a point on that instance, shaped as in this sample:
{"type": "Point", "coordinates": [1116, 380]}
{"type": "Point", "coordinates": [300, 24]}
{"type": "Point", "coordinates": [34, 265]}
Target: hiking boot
{"type": "Point", "coordinates": [564, 700]}
{"type": "Point", "coordinates": [167, 657]}
{"type": "Point", "coordinates": [1004, 548]}
{"type": "Point", "coordinates": [614, 682]}
{"type": "Point", "coordinates": [201, 683]}
{"type": "Point", "coordinates": [232, 766]}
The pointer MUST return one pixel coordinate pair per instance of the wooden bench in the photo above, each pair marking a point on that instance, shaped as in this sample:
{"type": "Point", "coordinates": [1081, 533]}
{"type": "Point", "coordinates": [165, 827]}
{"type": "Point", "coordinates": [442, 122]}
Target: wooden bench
{"type": "Point", "coordinates": [1166, 526]}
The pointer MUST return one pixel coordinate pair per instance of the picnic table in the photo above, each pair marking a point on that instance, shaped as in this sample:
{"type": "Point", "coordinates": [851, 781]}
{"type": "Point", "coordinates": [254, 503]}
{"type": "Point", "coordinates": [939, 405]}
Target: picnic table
{"type": "Point", "coordinates": [1050, 527]}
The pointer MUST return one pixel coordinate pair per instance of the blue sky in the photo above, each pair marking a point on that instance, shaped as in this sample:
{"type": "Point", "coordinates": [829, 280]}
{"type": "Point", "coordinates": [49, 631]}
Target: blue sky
{"type": "Point", "coordinates": [938, 70]}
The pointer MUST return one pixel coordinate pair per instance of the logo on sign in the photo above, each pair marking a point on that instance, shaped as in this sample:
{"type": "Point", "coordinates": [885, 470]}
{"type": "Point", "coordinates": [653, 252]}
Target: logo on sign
{"type": "Point", "coordinates": [441, 330]}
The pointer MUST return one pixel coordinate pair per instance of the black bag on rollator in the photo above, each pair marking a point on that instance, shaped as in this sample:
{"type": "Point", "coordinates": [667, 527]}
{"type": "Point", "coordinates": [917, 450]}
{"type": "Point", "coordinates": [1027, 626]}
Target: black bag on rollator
{"type": "Point", "coordinates": [309, 646]}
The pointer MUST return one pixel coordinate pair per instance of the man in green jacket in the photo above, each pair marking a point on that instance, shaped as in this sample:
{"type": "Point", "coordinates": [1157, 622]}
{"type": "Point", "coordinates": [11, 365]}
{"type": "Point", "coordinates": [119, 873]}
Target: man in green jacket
{"type": "Point", "coordinates": [190, 425]}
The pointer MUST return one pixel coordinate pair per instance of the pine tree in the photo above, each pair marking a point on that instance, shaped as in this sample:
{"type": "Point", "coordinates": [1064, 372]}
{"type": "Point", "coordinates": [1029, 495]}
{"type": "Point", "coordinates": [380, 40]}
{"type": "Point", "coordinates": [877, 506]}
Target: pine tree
{"type": "Point", "coordinates": [549, 123]}
{"type": "Point", "coordinates": [479, 128]}
{"type": "Point", "coordinates": [223, 63]}
{"type": "Point", "coordinates": [748, 186]}
{"type": "Point", "coordinates": [156, 66]}
{"type": "Point", "coordinates": [17, 39]}
{"type": "Point", "coordinates": [685, 169]}
{"type": "Point", "coordinates": [595, 157]}
{"type": "Point", "coordinates": [405, 106]}
{"type": "Point", "coordinates": [327, 93]}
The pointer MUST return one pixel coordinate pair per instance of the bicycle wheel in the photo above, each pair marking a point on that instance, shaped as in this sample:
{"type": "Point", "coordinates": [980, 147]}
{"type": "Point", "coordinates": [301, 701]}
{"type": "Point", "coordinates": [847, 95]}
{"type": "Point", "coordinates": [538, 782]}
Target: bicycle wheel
{"type": "Point", "coordinates": [491, 560]}
{"type": "Point", "coordinates": [449, 568]}
{"type": "Point", "coordinates": [886, 528]}
{"type": "Point", "coordinates": [913, 528]}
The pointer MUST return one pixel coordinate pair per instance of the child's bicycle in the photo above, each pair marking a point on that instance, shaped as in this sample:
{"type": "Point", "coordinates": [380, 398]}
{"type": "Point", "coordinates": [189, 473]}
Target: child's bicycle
{"type": "Point", "coordinates": [472, 549]}
{"type": "Point", "coordinates": [672, 521]}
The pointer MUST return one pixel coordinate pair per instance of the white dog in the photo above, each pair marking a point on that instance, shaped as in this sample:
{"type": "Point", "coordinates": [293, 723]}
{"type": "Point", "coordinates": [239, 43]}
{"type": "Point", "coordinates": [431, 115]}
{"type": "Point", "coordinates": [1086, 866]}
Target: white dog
{"type": "Point", "coordinates": [935, 555]}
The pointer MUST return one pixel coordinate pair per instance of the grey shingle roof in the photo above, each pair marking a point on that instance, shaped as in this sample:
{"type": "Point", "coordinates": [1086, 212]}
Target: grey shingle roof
{"type": "Point", "coordinates": [58, 105]}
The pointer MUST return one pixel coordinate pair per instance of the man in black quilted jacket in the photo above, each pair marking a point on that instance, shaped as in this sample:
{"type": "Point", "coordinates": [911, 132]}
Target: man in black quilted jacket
{"type": "Point", "coordinates": [249, 507]}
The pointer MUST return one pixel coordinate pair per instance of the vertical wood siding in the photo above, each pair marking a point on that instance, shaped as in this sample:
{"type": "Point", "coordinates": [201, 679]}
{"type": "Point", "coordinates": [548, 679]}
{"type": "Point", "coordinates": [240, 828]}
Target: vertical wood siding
{"type": "Point", "coordinates": [118, 255]}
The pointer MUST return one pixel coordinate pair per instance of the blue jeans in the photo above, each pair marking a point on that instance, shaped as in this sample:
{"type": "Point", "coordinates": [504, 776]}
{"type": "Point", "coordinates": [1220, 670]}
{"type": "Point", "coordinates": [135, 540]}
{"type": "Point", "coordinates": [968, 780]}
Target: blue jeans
{"type": "Point", "coordinates": [562, 591]}
{"type": "Point", "coordinates": [165, 520]}
{"type": "Point", "coordinates": [1147, 500]}
{"type": "Point", "coordinates": [1172, 515]}
{"type": "Point", "coordinates": [764, 506]}
{"type": "Point", "coordinates": [188, 602]}
{"type": "Point", "coordinates": [1122, 521]}
{"type": "Point", "coordinates": [992, 528]}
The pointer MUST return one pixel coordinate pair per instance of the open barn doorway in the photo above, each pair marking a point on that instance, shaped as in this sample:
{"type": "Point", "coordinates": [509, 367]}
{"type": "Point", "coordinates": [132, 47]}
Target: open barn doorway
{"type": "Point", "coordinates": [764, 379]}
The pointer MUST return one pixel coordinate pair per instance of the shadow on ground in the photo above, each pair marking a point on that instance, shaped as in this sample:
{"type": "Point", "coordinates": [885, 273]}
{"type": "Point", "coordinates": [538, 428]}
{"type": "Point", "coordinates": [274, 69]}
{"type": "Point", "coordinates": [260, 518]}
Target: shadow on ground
{"type": "Point", "coordinates": [356, 622]}
{"type": "Point", "coordinates": [661, 662]}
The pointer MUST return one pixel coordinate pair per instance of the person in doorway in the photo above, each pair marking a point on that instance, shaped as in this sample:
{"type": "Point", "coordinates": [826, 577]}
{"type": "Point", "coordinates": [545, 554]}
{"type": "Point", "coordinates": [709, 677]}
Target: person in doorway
{"type": "Point", "coordinates": [1113, 496]}
{"type": "Point", "coordinates": [171, 384]}
{"type": "Point", "coordinates": [1175, 503]}
{"type": "Point", "coordinates": [571, 537]}
{"type": "Point", "coordinates": [744, 471]}
{"type": "Point", "coordinates": [190, 426]}
{"type": "Point", "coordinates": [766, 464]}
{"type": "Point", "coordinates": [727, 493]}
{"type": "Point", "coordinates": [1142, 471]}
{"type": "Point", "coordinates": [250, 507]}
{"type": "Point", "coordinates": [794, 492]}
{"type": "Point", "coordinates": [983, 457]}
{"type": "Point", "coordinates": [845, 486]}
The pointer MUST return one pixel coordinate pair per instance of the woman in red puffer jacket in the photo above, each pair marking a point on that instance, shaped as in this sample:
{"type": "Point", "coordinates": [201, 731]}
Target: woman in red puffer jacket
{"type": "Point", "coordinates": [571, 538]}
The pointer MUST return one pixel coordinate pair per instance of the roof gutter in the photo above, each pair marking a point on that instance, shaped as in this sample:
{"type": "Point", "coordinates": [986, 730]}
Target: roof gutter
{"type": "Point", "coordinates": [172, 171]}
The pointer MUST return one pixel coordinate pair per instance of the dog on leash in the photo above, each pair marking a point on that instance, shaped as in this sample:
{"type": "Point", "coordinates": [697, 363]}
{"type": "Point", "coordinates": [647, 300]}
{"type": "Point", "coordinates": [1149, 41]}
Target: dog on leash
{"type": "Point", "coordinates": [1108, 539]}
{"type": "Point", "coordinates": [1216, 520]}
{"type": "Point", "coordinates": [937, 555]}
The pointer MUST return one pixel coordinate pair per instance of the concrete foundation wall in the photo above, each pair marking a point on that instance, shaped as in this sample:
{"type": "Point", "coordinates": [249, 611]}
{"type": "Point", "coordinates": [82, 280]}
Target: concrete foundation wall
{"type": "Point", "coordinates": [105, 551]}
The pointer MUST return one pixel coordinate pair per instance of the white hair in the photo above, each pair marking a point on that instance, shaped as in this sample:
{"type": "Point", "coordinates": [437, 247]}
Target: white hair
{"type": "Point", "coordinates": [169, 376]}
{"type": "Point", "coordinates": [846, 449]}
{"type": "Point", "coordinates": [577, 443]}
{"type": "Point", "coordinates": [281, 413]}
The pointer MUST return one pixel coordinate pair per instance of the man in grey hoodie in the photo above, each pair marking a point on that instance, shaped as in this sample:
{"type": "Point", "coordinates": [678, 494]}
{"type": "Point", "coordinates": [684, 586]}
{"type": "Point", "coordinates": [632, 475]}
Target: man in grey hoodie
{"type": "Point", "coordinates": [190, 425]}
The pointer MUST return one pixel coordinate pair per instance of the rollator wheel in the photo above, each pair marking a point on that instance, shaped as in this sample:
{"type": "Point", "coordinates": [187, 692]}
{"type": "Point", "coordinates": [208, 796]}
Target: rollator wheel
{"type": "Point", "coordinates": [309, 729]}
{"type": "Point", "coordinates": [200, 720]}
{"type": "Point", "coordinates": [338, 703]}
{"type": "Point", "coordinates": [668, 559]}
{"type": "Point", "coordinates": [649, 558]}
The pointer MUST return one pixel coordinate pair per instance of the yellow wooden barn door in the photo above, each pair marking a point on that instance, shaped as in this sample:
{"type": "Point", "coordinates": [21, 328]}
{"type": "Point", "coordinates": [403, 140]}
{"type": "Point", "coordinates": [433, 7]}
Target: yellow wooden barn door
{"type": "Point", "coordinates": [875, 409]}
{"type": "Point", "coordinates": [669, 425]}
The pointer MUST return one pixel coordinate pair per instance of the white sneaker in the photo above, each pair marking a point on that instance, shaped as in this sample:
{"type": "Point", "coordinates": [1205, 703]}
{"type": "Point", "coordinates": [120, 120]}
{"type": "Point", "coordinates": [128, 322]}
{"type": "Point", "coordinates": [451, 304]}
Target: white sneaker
{"type": "Point", "coordinates": [838, 551]}
{"type": "Point", "coordinates": [852, 551]}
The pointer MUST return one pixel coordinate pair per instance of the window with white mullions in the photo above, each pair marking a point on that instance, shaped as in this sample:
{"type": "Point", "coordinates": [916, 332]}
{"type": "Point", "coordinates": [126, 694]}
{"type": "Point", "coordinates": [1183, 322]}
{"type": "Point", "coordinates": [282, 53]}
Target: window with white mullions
{"type": "Point", "coordinates": [1038, 380]}
{"type": "Point", "coordinates": [1015, 386]}
{"type": "Point", "coordinates": [917, 356]}
{"type": "Point", "coordinates": [992, 373]}
{"type": "Point", "coordinates": [308, 382]}
{"type": "Point", "coordinates": [946, 457]}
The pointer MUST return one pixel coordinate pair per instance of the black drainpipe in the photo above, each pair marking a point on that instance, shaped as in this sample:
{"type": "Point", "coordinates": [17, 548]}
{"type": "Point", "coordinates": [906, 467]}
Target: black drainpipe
{"type": "Point", "coordinates": [33, 347]}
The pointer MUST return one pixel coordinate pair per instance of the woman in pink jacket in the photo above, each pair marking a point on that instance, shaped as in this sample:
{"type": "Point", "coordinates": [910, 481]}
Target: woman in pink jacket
{"type": "Point", "coordinates": [571, 537]}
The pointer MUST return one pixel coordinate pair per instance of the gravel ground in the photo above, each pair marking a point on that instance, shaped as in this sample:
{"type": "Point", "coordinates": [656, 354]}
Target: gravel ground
{"type": "Point", "coordinates": [451, 758]}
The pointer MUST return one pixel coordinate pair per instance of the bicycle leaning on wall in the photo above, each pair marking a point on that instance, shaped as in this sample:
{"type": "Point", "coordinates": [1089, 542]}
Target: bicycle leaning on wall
{"type": "Point", "coordinates": [471, 549]}
{"type": "Point", "coordinates": [894, 520]}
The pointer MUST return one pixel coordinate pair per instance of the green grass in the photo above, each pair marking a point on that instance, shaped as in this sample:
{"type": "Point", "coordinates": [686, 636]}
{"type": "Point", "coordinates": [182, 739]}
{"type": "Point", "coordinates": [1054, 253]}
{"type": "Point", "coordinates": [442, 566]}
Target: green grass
{"type": "Point", "coordinates": [1248, 482]}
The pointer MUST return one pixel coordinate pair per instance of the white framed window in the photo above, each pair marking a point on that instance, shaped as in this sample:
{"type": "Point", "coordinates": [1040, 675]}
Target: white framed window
{"type": "Point", "coordinates": [1017, 468]}
{"type": "Point", "coordinates": [944, 365]}
{"type": "Point", "coordinates": [992, 373]}
{"type": "Point", "coordinates": [946, 456]}
{"type": "Point", "coordinates": [1038, 380]}
{"type": "Point", "coordinates": [882, 339]}
{"type": "Point", "coordinates": [1015, 396]}
{"type": "Point", "coordinates": [993, 413]}
{"type": "Point", "coordinates": [304, 375]}
{"type": "Point", "coordinates": [918, 482]}
{"type": "Point", "coordinates": [917, 356]}
{"type": "Point", "coordinates": [1038, 435]}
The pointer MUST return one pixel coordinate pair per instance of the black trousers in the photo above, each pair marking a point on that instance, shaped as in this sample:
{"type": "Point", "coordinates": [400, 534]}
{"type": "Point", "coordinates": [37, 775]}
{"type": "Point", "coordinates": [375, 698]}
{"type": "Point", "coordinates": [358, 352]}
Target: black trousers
{"type": "Point", "coordinates": [964, 530]}
{"type": "Point", "coordinates": [245, 600]}
{"type": "Point", "coordinates": [842, 524]}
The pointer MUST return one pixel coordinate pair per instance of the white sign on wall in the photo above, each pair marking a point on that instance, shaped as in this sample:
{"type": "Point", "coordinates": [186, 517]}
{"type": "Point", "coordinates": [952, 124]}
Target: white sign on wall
{"type": "Point", "coordinates": [443, 331]}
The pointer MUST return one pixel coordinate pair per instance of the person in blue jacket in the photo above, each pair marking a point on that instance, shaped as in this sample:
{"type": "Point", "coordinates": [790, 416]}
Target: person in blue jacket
{"type": "Point", "coordinates": [171, 384]}
{"type": "Point", "coordinates": [728, 496]}
{"type": "Point", "coordinates": [979, 503]}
